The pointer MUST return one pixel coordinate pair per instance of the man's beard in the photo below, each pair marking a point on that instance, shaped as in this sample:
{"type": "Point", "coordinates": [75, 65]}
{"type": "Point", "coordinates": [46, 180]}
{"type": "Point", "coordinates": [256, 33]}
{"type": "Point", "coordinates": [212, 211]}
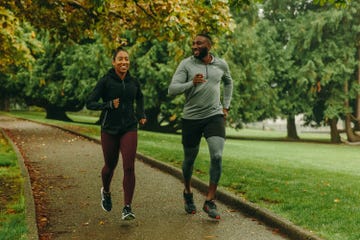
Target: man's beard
{"type": "Point", "coordinates": [203, 52]}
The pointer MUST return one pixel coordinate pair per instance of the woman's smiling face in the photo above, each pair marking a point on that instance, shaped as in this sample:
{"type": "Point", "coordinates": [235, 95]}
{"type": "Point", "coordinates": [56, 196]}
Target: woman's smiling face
{"type": "Point", "coordinates": [121, 62]}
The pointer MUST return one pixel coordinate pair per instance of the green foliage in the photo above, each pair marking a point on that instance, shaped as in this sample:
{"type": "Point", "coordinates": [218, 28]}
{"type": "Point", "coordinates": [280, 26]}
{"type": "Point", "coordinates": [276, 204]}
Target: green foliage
{"type": "Point", "coordinates": [337, 3]}
{"type": "Point", "coordinates": [19, 48]}
{"type": "Point", "coordinates": [18, 42]}
{"type": "Point", "coordinates": [317, 54]}
{"type": "Point", "coordinates": [64, 75]}
{"type": "Point", "coordinates": [292, 88]}
{"type": "Point", "coordinates": [82, 66]}
{"type": "Point", "coordinates": [328, 42]}
{"type": "Point", "coordinates": [154, 63]}
{"type": "Point", "coordinates": [153, 67]}
{"type": "Point", "coordinates": [253, 97]}
{"type": "Point", "coordinates": [157, 19]}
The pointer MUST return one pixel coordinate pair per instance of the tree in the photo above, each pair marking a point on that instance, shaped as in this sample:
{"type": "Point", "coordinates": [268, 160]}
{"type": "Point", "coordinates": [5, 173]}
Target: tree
{"type": "Point", "coordinates": [18, 42]}
{"type": "Point", "coordinates": [154, 63]}
{"type": "Point", "coordinates": [330, 39]}
{"type": "Point", "coordinates": [292, 89]}
{"type": "Point", "coordinates": [18, 48]}
{"type": "Point", "coordinates": [253, 97]}
{"type": "Point", "coordinates": [70, 21]}
{"type": "Point", "coordinates": [162, 20]}
{"type": "Point", "coordinates": [63, 76]}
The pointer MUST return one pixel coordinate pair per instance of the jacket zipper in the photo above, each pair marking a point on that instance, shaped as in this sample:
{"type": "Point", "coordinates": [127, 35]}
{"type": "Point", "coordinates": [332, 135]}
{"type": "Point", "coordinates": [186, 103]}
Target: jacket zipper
{"type": "Point", "coordinates": [206, 71]}
{"type": "Point", "coordinates": [122, 105]}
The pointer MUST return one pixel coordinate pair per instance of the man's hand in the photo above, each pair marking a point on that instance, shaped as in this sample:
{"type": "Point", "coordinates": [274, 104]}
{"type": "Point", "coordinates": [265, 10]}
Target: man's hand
{"type": "Point", "coordinates": [199, 78]}
{"type": "Point", "coordinates": [226, 112]}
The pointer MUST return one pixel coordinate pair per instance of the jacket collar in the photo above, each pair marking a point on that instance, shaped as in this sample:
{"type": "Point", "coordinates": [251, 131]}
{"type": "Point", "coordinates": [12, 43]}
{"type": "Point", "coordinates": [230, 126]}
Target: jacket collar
{"type": "Point", "coordinates": [113, 75]}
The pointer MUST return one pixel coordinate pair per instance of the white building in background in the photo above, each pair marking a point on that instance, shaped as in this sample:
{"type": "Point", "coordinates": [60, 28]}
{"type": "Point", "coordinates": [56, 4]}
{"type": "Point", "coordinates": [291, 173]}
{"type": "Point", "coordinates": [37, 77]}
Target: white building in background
{"type": "Point", "coordinates": [279, 124]}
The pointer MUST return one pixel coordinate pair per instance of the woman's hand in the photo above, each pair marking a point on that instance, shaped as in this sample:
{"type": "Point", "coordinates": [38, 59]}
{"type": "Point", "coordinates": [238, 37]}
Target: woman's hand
{"type": "Point", "coordinates": [142, 121]}
{"type": "Point", "coordinates": [116, 102]}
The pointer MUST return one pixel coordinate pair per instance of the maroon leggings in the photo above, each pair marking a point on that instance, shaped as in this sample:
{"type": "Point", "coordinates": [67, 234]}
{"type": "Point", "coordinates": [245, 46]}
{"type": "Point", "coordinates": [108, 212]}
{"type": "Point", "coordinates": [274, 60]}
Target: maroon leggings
{"type": "Point", "coordinates": [126, 144]}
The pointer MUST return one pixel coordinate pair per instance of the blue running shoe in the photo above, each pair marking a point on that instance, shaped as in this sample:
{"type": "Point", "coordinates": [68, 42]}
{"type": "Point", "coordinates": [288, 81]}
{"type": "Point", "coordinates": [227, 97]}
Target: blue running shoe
{"type": "Point", "coordinates": [189, 203]}
{"type": "Point", "coordinates": [210, 208]}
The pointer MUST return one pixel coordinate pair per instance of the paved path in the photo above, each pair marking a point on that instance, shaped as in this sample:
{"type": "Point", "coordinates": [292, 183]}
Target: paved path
{"type": "Point", "coordinates": [68, 169]}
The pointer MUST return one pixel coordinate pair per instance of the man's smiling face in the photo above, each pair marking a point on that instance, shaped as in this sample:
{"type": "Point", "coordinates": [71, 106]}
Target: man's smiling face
{"type": "Point", "coordinates": [200, 47]}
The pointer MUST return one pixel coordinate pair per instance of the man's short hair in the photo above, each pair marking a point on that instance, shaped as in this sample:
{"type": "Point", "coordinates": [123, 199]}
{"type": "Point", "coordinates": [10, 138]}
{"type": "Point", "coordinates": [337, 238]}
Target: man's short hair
{"type": "Point", "coordinates": [207, 36]}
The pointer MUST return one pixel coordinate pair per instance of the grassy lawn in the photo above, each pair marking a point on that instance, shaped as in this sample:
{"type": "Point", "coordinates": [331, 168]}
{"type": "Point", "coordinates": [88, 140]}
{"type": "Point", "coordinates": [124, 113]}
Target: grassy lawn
{"type": "Point", "coordinates": [314, 185]}
{"type": "Point", "coordinates": [12, 204]}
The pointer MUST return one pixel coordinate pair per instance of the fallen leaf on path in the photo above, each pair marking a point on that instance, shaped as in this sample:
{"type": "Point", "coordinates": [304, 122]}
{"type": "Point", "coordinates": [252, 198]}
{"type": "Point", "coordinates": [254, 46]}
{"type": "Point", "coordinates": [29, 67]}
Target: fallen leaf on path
{"type": "Point", "coordinates": [232, 210]}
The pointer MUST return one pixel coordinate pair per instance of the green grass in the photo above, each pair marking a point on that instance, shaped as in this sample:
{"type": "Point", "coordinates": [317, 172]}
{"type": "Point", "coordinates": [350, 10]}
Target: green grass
{"type": "Point", "coordinates": [314, 185]}
{"type": "Point", "coordinates": [12, 205]}
{"type": "Point", "coordinates": [257, 134]}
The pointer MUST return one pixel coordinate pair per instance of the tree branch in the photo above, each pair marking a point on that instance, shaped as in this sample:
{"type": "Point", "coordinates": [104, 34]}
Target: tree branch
{"type": "Point", "coordinates": [75, 4]}
{"type": "Point", "coordinates": [142, 9]}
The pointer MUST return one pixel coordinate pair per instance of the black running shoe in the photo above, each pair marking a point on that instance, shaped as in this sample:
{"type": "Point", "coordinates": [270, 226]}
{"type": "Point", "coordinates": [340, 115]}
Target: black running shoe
{"type": "Point", "coordinates": [127, 214]}
{"type": "Point", "coordinates": [106, 203]}
{"type": "Point", "coordinates": [210, 208]}
{"type": "Point", "coordinates": [189, 203]}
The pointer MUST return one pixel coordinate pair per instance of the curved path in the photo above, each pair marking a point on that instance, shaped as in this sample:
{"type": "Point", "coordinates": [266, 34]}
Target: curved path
{"type": "Point", "coordinates": [65, 177]}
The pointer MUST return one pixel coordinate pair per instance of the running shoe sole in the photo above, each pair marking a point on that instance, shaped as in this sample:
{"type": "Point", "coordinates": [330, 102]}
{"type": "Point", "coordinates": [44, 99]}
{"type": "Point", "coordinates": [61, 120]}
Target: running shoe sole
{"type": "Point", "coordinates": [129, 216]}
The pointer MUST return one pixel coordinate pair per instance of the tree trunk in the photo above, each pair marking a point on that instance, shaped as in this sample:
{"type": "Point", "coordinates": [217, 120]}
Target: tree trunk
{"type": "Point", "coordinates": [351, 136]}
{"type": "Point", "coordinates": [334, 133]}
{"type": "Point", "coordinates": [4, 104]}
{"type": "Point", "coordinates": [57, 114]}
{"type": "Point", "coordinates": [291, 128]}
{"type": "Point", "coordinates": [357, 104]}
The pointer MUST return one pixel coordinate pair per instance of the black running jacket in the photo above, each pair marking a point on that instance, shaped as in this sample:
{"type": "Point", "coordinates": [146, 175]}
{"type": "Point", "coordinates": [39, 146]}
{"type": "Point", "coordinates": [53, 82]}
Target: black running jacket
{"type": "Point", "coordinates": [124, 118]}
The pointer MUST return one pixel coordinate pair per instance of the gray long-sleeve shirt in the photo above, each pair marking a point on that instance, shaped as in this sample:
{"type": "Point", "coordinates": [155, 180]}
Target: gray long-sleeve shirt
{"type": "Point", "coordinates": [202, 100]}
